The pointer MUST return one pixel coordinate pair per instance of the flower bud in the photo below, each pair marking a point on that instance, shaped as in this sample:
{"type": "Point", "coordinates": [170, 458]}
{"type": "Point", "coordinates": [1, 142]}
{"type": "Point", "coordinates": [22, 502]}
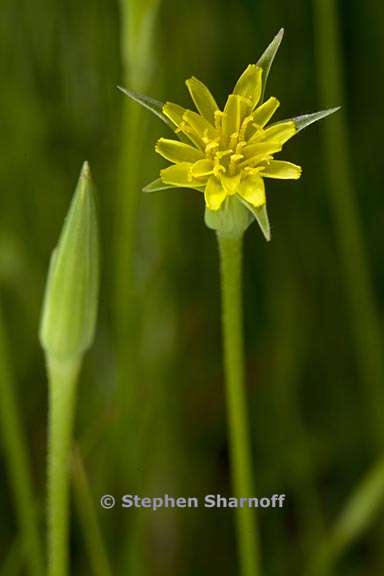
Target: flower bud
{"type": "Point", "coordinates": [70, 303]}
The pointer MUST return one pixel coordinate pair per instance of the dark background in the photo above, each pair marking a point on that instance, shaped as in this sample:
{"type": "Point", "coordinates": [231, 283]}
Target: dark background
{"type": "Point", "coordinates": [151, 408]}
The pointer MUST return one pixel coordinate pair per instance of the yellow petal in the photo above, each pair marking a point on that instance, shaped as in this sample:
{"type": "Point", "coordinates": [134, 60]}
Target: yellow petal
{"type": "Point", "coordinates": [281, 169]}
{"type": "Point", "coordinates": [249, 84]}
{"type": "Point", "coordinates": [179, 175]}
{"type": "Point", "coordinates": [176, 151]}
{"type": "Point", "coordinates": [282, 131]}
{"type": "Point", "coordinates": [214, 194]}
{"type": "Point", "coordinates": [202, 98]}
{"type": "Point", "coordinates": [253, 191]}
{"type": "Point", "coordinates": [174, 112]}
{"type": "Point", "coordinates": [202, 168]}
{"type": "Point", "coordinates": [232, 113]}
{"type": "Point", "coordinates": [261, 148]}
{"type": "Point", "coordinates": [264, 113]}
{"type": "Point", "coordinates": [200, 125]}
{"type": "Point", "coordinates": [230, 183]}
{"type": "Point", "coordinates": [236, 108]}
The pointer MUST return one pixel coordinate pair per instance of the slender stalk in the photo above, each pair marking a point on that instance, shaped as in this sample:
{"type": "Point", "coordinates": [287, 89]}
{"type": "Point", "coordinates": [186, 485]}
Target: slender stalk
{"type": "Point", "coordinates": [17, 462]}
{"type": "Point", "coordinates": [365, 318]}
{"type": "Point", "coordinates": [239, 437]}
{"type": "Point", "coordinates": [62, 388]}
{"type": "Point", "coordinates": [86, 508]}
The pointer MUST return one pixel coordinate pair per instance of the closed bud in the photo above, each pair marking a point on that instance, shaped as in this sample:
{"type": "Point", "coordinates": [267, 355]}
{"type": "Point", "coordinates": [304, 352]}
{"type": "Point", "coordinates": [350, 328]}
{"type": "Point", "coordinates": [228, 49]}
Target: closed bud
{"type": "Point", "coordinates": [70, 304]}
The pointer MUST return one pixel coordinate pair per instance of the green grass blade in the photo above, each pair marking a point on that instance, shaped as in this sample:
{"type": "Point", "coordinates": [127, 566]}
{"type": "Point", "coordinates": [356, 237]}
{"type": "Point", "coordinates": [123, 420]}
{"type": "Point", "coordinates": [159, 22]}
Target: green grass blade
{"type": "Point", "coordinates": [345, 211]}
{"type": "Point", "coordinates": [17, 462]}
{"type": "Point", "coordinates": [85, 502]}
{"type": "Point", "coordinates": [359, 513]}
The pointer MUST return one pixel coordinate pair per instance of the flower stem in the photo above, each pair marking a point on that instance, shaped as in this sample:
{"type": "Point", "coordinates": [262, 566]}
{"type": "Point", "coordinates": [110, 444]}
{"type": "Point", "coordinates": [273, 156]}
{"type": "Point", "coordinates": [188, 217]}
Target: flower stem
{"type": "Point", "coordinates": [62, 388]}
{"type": "Point", "coordinates": [240, 448]}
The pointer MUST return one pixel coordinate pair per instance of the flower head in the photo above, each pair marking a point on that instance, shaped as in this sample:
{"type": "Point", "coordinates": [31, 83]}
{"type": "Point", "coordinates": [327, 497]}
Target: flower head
{"type": "Point", "coordinates": [229, 152]}
{"type": "Point", "coordinates": [226, 154]}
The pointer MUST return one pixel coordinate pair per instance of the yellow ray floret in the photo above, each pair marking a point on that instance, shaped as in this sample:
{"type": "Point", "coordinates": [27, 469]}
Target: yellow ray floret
{"type": "Point", "coordinates": [249, 85]}
{"type": "Point", "coordinates": [203, 99]}
{"type": "Point", "coordinates": [282, 170]}
{"type": "Point", "coordinates": [176, 151]}
{"type": "Point", "coordinates": [180, 175]}
{"type": "Point", "coordinates": [227, 152]}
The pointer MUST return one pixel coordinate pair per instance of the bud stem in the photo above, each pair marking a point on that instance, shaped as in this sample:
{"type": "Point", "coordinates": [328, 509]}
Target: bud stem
{"type": "Point", "coordinates": [239, 438]}
{"type": "Point", "coordinates": [62, 391]}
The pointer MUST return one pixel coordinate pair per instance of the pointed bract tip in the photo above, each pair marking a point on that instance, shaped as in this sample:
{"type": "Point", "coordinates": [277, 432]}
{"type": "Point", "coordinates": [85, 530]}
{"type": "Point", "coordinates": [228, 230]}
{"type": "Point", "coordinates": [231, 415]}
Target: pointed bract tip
{"type": "Point", "coordinates": [329, 111]}
{"type": "Point", "coordinates": [266, 230]}
{"type": "Point", "coordinates": [266, 59]}
{"type": "Point", "coordinates": [261, 216]}
{"type": "Point", "coordinates": [305, 120]}
{"type": "Point", "coordinates": [85, 171]}
{"type": "Point", "coordinates": [84, 185]}
{"type": "Point", "coordinates": [155, 106]}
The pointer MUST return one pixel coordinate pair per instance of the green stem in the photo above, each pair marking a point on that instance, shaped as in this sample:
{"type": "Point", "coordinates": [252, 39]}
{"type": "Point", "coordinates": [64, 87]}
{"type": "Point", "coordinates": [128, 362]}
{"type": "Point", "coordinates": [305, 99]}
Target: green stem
{"type": "Point", "coordinates": [239, 436]}
{"type": "Point", "coordinates": [62, 389]}
{"type": "Point", "coordinates": [16, 458]}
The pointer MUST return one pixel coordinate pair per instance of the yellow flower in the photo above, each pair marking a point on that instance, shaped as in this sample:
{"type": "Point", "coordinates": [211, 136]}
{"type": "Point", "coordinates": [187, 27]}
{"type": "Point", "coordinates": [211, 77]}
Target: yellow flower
{"type": "Point", "coordinates": [227, 152]}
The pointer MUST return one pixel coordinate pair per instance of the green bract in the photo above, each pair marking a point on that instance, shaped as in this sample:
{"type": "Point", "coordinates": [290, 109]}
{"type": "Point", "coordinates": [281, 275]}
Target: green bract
{"type": "Point", "coordinates": [70, 303]}
{"type": "Point", "coordinates": [231, 221]}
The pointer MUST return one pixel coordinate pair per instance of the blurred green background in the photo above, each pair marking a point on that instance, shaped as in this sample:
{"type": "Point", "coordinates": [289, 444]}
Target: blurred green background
{"type": "Point", "coordinates": [151, 410]}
